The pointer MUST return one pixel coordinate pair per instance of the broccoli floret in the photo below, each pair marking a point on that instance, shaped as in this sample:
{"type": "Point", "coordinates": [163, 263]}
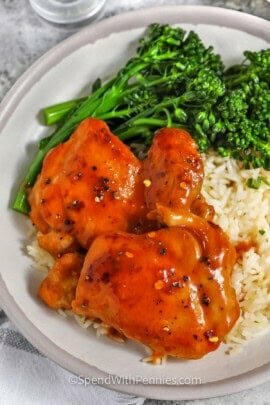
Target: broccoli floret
{"type": "Point", "coordinates": [244, 111]}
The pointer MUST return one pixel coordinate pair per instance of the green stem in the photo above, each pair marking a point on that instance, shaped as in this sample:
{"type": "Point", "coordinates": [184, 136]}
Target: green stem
{"type": "Point", "coordinates": [240, 78]}
{"type": "Point", "coordinates": [117, 114]}
{"type": "Point", "coordinates": [150, 113]}
{"type": "Point", "coordinates": [142, 126]}
{"type": "Point", "coordinates": [55, 113]}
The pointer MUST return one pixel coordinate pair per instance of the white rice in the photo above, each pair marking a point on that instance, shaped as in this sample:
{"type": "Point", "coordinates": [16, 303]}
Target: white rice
{"type": "Point", "coordinates": [42, 260]}
{"type": "Point", "coordinates": [242, 213]}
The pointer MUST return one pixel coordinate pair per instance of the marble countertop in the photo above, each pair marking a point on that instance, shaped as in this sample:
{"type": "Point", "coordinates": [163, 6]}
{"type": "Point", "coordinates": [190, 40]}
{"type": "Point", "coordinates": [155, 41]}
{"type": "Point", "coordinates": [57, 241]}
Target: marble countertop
{"type": "Point", "coordinates": [25, 37]}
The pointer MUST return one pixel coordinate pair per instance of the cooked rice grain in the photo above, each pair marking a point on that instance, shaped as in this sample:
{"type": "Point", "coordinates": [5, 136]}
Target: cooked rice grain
{"type": "Point", "coordinates": [42, 260]}
{"type": "Point", "coordinates": [244, 214]}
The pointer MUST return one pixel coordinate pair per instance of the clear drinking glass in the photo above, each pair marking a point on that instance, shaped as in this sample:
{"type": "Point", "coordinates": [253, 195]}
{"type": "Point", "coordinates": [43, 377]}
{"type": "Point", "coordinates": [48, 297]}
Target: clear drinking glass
{"type": "Point", "coordinates": [67, 11]}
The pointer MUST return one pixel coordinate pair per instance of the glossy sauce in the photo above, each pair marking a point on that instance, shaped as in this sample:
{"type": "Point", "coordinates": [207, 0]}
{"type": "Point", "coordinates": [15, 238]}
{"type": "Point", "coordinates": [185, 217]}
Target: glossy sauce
{"type": "Point", "coordinates": [169, 289]}
{"type": "Point", "coordinates": [88, 186]}
{"type": "Point", "coordinates": [245, 246]}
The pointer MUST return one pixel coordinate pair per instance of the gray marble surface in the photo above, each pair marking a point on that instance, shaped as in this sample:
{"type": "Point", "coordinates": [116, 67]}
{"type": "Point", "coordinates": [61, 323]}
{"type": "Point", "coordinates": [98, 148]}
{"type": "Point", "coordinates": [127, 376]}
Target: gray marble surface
{"type": "Point", "coordinates": [24, 37]}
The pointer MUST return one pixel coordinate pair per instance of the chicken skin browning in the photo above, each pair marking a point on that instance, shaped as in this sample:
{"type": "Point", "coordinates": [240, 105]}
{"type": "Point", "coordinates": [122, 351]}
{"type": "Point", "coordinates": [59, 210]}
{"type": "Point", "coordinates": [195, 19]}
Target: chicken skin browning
{"type": "Point", "coordinates": [168, 289]}
{"type": "Point", "coordinates": [88, 186]}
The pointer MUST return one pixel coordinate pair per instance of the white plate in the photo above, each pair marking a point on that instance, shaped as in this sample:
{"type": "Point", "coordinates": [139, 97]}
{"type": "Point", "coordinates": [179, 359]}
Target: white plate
{"type": "Point", "coordinates": [66, 72]}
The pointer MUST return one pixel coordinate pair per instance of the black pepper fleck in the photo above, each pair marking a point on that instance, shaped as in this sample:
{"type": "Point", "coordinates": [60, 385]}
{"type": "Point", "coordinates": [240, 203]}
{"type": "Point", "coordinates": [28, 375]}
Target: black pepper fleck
{"type": "Point", "coordinates": [47, 181]}
{"type": "Point", "coordinates": [176, 284]}
{"type": "Point", "coordinates": [138, 228]}
{"type": "Point", "coordinates": [105, 278]}
{"type": "Point", "coordinates": [68, 222]}
{"type": "Point", "coordinates": [206, 300]}
{"type": "Point", "coordinates": [84, 304]}
{"type": "Point", "coordinates": [206, 260]}
{"type": "Point", "coordinates": [76, 205]}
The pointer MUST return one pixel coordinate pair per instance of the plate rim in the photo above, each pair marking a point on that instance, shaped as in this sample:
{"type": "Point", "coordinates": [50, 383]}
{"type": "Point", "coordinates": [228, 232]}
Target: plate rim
{"type": "Point", "coordinates": [90, 34]}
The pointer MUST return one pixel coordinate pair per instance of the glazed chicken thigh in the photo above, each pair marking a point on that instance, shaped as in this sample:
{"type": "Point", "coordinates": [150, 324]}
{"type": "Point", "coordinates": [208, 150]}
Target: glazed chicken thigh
{"type": "Point", "coordinates": [88, 185]}
{"type": "Point", "coordinates": [174, 169]}
{"type": "Point", "coordinates": [173, 173]}
{"type": "Point", "coordinates": [168, 289]}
